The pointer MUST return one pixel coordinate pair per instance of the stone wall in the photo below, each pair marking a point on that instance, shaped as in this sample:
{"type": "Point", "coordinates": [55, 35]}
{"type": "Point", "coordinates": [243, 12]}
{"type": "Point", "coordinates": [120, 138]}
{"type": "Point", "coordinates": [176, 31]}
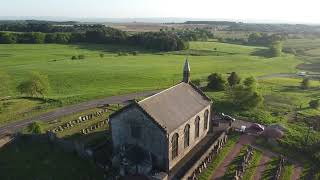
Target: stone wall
{"type": "Point", "coordinates": [69, 145]}
{"type": "Point", "coordinates": [151, 139]}
{"type": "Point", "coordinates": [207, 157]}
{"type": "Point", "coordinates": [5, 140]}
{"type": "Point", "coordinates": [192, 140]}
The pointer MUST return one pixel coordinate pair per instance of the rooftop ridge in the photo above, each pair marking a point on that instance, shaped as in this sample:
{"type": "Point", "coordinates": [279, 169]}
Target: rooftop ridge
{"type": "Point", "coordinates": [160, 92]}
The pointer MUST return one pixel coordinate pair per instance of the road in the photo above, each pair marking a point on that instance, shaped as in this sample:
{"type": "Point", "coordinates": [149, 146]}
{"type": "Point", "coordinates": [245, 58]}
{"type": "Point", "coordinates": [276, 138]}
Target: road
{"type": "Point", "coordinates": [121, 99]}
{"type": "Point", "coordinates": [13, 127]}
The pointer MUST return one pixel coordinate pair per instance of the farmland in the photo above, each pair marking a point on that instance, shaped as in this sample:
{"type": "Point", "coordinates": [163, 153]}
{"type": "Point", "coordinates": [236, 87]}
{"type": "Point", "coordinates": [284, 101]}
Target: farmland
{"type": "Point", "coordinates": [73, 81]}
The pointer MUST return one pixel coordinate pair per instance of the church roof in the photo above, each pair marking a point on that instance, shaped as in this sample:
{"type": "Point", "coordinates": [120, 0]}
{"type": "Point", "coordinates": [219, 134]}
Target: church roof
{"type": "Point", "coordinates": [174, 106]}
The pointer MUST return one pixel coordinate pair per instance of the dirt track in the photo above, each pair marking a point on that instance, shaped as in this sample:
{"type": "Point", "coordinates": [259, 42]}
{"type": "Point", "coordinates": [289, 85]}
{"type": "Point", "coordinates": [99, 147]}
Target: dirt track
{"type": "Point", "coordinates": [219, 173]}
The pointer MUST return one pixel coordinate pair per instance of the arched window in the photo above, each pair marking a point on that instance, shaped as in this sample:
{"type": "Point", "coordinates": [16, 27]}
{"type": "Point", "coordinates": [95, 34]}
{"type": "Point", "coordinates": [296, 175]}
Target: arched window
{"type": "Point", "coordinates": [206, 118]}
{"type": "Point", "coordinates": [196, 125]}
{"type": "Point", "coordinates": [175, 144]}
{"type": "Point", "coordinates": [186, 135]}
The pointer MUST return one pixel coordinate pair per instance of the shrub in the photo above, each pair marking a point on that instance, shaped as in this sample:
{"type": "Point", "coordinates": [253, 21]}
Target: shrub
{"type": "Point", "coordinates": [276, 49]}
{"type": "Point", "coordinates": [74, 57]}
{"type": "Point", "coordinates": [101, 55]}
{"type": "Point", "coordinates": [216, 82]}
{"type": "Point", "coordinates": [37, 85]}
{"type": "Point", "coordinates": [122, 54]}
{"type": "Point", "coordinates": [305, 84]}
{"type": "Point", "coordinates": [250, 82]}
{"type": "Point", "coordinates": [314, 104]}
{"type": "Point", "coordinates": [35, 128]}
{"type": "Point", "coordinates": [134, 53]}
{"type": "Point", "coordinates": [233, 79]}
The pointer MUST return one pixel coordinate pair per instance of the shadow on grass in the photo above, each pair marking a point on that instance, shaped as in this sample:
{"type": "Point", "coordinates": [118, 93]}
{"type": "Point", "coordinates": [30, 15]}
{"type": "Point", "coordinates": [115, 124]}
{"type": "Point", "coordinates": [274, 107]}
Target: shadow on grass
{"type": "Point", "coordinates": [30, 156]}
{"type": "Point", "coordinates": [262, 53]}
{"type": "Point", "coordinates": [195, 52]}
{"type": "Point", "coordinates": [112, 48]}
{"type": "Point", "coordinates": [42, 100]}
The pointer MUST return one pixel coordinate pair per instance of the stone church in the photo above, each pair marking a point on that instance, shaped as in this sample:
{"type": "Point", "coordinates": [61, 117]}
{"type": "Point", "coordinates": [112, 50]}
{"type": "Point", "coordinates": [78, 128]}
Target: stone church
{"type": "Point", "coordinates": [154, 134]}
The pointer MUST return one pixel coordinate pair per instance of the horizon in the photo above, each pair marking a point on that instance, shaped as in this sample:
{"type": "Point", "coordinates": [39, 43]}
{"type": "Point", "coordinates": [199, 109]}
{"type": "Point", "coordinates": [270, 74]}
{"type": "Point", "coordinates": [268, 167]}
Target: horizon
{"type": "Point", "coordinates": [291, 12]}
{"type": "Point", "coordinates": [147, 20]}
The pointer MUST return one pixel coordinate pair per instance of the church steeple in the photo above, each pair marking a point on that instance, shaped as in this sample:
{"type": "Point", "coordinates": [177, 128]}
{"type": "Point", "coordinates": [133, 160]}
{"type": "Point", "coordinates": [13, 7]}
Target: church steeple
{"type": "Point", "coordinates": [186, 72]}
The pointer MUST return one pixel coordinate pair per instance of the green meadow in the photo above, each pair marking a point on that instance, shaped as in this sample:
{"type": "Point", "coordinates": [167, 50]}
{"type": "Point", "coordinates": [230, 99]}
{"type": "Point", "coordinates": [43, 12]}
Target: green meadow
{"type": "Point", "coordinates": [73, 81]}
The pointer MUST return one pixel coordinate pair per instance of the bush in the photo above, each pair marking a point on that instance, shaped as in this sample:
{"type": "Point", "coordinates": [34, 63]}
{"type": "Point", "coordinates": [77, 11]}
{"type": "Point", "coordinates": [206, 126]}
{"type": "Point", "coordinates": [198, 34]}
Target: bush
{"type": "Point", "coordinates": [101, 55]}
{"type": "Point", "coordinates": [74, 57]}
{"type": "Point", "coordinates": [305, 84]}
{"type": "Point", "coordinates": [250, 82]}
{"type": "Point", "coordinates": [123, 54]}
{"type": "Point", "coordinates": [37, 85]}
{"type": "Point", "coordinates": [233, 79]}
{"type": "Point", "coordinates": [314, 104]}
{"type": "Point", "coordinates": [35, 128]}
{"type": "Point", "coordinates": [276, 49]}
{"type": "Point", "coordinates": [134, 53]}
{"type": "Point", "coordinates": [216, 82]}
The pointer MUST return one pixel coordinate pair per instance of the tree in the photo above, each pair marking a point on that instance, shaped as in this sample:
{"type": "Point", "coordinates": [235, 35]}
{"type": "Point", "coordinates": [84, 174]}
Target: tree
{"type": "Point", "coordinates": [35, 128]}
{"type": "Point", "coordinates": [244, 96]}
{"type": "Point", "coordinates": [216, 82]}
{"type": "Point", "coordinates": [7, 38]}
{"type": "Point", "coordinates": [276, 49]}
{"type": "Point", "coordinates": [37, 85]}
{"type": "Point", "coordinates": [233, 79]}
{"type": "Point", "coordinates": [305, 84]}
{"type": "Point", "coordinates": [314, 104]}
{"type": "Point", "coordinates": [5, 83]}
{"type": "Point", "coordinates": [250, 82]}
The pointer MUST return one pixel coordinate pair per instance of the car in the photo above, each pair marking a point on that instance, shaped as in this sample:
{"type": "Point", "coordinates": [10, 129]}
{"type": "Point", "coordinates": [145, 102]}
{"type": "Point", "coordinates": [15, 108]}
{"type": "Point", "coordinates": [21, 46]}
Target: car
{"type": "Point", "coordinates": [302, 74]}
{"type": "Point", "coordinates": [227, 117]}
{"type": "Point", "coordinates": [257, 127]}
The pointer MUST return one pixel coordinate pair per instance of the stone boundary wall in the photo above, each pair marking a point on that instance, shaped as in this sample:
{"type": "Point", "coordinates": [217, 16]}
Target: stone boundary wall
{"type": "Point", "coordinates": [206, 157]}
{"type": "Point", "coordinates": [69, 145]}
{"type": "Point", "coordinates": [6, 139]}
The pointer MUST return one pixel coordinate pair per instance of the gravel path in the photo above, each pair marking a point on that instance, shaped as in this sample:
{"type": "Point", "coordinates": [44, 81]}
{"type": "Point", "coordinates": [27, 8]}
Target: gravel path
{"type": "Point", "coordinates": [15, 126]}
{"type": "Point", "coordinates": [221, 170]}
{"type": "Point", "coordinates": [263, 164]}
{"type": "Point", "coordinates": [296, 172]}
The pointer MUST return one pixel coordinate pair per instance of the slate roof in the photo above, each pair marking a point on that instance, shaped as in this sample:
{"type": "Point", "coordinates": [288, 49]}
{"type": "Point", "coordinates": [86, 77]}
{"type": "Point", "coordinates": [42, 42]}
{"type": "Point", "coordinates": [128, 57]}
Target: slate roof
{"type": "Point", "coordinates": [174, 106]}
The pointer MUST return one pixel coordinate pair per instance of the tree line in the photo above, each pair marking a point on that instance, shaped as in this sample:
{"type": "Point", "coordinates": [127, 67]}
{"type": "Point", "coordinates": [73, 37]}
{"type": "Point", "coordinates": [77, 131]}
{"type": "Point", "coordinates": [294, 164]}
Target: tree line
{"type": "Point", "coordinates": [47, 27]}
{"type": "Point", "coordinates": [162, 41]}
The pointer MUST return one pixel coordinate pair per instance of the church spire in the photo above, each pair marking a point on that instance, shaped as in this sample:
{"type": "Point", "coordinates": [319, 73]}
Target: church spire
{"type": "Point", "coordinates": [186, 72]}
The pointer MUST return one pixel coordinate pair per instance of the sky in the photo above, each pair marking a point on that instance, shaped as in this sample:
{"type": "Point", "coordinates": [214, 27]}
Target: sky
{"type": "Point", "coordinates": [299, 11]}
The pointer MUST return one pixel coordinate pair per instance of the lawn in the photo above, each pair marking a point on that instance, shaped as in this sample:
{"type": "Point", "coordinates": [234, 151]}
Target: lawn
{"type": "Point", "coordinates": [308, 50]}
{"type": "Point", "coordinates": [73, 81]}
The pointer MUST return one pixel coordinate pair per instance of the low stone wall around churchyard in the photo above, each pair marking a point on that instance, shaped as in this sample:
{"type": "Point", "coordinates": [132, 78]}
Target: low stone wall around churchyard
{"type": "Point", "coordinates": [202, 163]}
{"type": "Point", "coordinates": [6, 139]}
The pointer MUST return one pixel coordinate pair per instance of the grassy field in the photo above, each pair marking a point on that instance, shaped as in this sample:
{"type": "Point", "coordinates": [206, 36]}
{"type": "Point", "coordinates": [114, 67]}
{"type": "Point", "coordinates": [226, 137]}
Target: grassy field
{"type": "Point", "coordinates": [74, 81]}
{"type": "Point", "coordinates": [308, 50]}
